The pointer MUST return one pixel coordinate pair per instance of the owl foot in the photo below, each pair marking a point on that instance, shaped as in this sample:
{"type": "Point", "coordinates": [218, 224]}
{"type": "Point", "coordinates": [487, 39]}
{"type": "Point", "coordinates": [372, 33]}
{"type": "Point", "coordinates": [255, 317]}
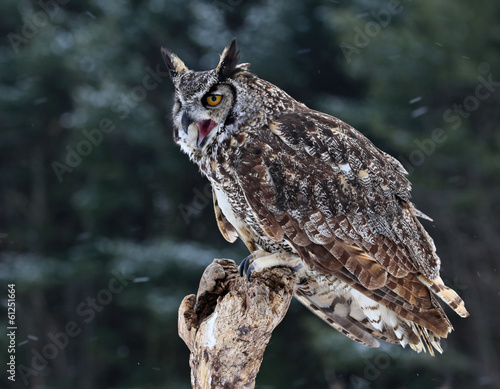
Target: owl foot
{"type": "Point", "coordinates": [260, 260]}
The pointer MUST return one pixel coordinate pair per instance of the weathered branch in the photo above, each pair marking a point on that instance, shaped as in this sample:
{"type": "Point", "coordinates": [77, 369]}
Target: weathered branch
{"type": "Point", "coordinates": [228, 325]}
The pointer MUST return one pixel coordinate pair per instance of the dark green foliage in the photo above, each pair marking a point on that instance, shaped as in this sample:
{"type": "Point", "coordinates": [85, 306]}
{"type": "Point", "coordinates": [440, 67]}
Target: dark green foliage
{"type": "Point", "coordinates": [105, 226]}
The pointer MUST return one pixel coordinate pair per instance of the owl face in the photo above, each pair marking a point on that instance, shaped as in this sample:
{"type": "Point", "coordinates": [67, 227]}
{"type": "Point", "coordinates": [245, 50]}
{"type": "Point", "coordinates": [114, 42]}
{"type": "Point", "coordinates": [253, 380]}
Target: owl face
{"type": "Point", "coordinates": [199, 116]}
{"type": "Point", "coordinates": [204, 101]}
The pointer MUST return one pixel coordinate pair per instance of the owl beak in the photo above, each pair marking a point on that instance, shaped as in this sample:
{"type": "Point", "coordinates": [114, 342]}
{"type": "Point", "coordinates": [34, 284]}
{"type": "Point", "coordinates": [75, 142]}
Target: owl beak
{"type": "Point", "coordinates": [204, 127]}
{"type": "Point", "coordinates": [186, 121]}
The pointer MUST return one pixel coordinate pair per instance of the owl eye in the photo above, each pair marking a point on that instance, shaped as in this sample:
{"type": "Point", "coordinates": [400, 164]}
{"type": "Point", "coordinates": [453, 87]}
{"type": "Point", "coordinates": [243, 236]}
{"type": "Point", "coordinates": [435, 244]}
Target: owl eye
{"type": "Point", "coordinates": [213, 100]}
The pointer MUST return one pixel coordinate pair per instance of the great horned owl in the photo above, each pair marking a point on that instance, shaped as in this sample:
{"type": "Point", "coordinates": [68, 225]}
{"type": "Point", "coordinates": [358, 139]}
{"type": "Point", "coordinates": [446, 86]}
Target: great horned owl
{"type": "Point", "coordinates": [305, 190]}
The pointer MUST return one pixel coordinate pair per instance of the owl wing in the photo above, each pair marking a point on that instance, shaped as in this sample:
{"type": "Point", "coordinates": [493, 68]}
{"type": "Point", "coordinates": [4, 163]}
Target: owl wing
{"type": "Point", "coordinates": [227, 230]}
{"type": "Point", "coordinates": [344, 205]}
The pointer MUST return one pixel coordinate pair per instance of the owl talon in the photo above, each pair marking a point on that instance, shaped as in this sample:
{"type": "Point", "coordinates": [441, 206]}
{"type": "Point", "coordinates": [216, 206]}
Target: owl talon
{"type": "Point", "coordinates": [261, 260]}
{"type": "Point", "coordinates": [246, 267]}
{"type": "Point", "coordinates": [249, 272]}
{"type": "Point", "coordinates": [297, 268]}
{"type": "Point", "coordinates": [243, 268]}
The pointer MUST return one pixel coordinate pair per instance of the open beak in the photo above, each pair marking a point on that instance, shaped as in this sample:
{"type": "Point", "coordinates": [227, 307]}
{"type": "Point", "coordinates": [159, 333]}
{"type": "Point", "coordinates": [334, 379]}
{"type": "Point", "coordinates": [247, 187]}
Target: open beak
{"type": "Point", "coordinates": [204, 127]}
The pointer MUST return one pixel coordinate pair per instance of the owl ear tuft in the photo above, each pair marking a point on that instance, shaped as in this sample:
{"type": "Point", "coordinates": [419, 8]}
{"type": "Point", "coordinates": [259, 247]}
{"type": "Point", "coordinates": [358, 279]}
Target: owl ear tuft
{"type": "Point", "coordinates": [228, 60]}
{"type": "Point", "coordinates": [174, 64]}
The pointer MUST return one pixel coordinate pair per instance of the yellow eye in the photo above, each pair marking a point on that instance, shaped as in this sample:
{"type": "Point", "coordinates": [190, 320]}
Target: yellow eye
{"type": "Point", "coordinates": [213, 100]}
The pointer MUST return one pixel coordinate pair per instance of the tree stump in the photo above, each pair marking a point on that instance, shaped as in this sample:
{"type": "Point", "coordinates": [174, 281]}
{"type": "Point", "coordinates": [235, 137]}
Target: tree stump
{"type": "Point", "coordinates": [229, 323]}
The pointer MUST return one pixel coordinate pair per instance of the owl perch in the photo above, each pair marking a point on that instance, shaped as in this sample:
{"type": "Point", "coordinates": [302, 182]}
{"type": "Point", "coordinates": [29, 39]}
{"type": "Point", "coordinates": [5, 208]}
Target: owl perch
{"type": "Point", "coordinates": [229, 323]}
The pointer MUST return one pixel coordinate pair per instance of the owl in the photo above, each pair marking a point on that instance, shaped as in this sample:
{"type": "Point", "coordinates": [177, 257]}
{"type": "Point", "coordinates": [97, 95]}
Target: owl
{"type": "Point", "coordinates": [305, 190]}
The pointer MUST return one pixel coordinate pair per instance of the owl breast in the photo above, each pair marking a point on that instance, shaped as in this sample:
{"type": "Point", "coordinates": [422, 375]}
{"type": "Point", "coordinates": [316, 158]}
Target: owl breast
{"type": "Point", "coordinates": [221, 168]}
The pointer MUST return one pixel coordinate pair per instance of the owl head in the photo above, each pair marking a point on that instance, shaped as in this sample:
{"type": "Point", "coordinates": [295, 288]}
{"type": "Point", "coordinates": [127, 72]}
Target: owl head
{"type": "Point", "coordinates": [206, 102]}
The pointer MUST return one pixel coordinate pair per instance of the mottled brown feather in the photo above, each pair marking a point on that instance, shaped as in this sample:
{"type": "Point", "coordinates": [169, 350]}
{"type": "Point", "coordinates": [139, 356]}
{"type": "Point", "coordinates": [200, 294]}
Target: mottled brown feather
{"type": "Point", "coordinates": [367, 226]}
{"type": "Point", "coordinates": [288, 179]}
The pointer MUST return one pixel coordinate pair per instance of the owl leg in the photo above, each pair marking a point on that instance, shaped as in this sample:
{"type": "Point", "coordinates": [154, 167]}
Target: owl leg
{"type": "Point", "coordinates": [260, 260]}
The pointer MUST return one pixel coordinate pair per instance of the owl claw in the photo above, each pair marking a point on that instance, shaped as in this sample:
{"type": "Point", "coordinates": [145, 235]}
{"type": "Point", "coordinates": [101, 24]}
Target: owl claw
{"type": "Point", "coordinates": [246, 266]}
{"type": "Point", "coordinates": [260, 260]}
{"type": "Point", "coordinates": [241, 267]}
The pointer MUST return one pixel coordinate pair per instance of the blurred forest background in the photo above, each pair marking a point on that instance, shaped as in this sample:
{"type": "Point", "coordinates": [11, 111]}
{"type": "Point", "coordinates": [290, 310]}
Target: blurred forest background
{"type": "Point", "coordinates": [105, 226]}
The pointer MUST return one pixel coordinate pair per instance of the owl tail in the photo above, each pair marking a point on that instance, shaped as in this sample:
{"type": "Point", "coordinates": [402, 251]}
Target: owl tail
{"type": "Point", "coordinates": [448, 295]}
{"type": "Point", "coordinates": [338, 320]}
{"type": "Point", "coordinates": [361, 318]}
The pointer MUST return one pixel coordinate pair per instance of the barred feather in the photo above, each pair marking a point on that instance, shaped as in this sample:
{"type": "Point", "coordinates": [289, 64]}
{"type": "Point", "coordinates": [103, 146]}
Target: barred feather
{"type": "Point", "coordinates": [288, 179]}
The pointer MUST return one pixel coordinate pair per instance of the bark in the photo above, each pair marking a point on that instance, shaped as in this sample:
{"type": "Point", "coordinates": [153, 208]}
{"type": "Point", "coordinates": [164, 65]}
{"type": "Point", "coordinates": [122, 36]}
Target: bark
{"type": "Point", "coordinates": [229, 323]}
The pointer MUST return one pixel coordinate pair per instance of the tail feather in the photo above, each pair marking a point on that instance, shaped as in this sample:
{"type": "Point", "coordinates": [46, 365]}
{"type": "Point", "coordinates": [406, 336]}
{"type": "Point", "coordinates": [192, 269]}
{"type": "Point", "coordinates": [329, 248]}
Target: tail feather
{"type": "Point", "coordinates": [362, 318]}
{"type": "Point", "coordinates": [342, 323]}
{"type": "Point", "coordinates": [448, 295]}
